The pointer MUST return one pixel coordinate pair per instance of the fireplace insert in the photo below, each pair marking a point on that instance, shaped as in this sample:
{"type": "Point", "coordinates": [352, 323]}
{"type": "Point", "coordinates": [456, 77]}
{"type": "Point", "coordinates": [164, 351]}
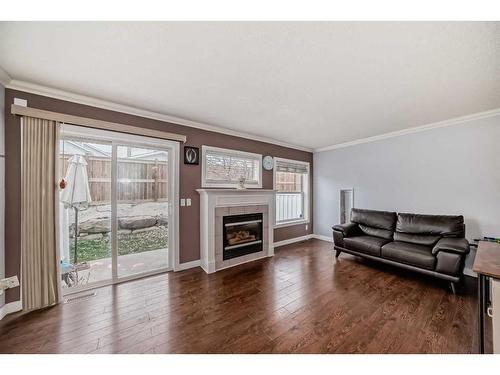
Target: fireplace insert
{"type": "Point", "coordinates": [242, 235]}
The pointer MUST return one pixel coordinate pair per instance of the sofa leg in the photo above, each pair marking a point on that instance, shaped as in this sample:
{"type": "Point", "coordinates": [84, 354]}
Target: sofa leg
{"type": "Point", "coordinates": [453, 287]}
{"type": "Point", "coordinates": [337, 253]}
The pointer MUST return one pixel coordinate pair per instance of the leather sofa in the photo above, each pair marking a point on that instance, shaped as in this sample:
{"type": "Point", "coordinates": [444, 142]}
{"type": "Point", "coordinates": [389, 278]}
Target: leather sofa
{"type": "Point", "coordinates": [431, 244]}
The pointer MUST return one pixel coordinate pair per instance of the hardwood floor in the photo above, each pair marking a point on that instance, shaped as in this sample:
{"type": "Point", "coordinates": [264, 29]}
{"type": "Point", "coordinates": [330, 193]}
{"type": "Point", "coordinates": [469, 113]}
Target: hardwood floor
{"type": "Point", "coordinates": [301, 301]}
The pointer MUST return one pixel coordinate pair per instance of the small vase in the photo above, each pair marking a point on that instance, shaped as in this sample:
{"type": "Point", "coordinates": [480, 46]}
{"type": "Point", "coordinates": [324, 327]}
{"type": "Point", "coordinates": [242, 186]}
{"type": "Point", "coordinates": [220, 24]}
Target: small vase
{"type": "Point", "coordinates": [241, 184]}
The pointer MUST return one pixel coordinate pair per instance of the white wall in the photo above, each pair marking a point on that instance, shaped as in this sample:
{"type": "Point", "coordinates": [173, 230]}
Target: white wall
{"type": "Point", "coordinates": [450, 170]}
{"type": "Point", "coordinates": [2, 188]}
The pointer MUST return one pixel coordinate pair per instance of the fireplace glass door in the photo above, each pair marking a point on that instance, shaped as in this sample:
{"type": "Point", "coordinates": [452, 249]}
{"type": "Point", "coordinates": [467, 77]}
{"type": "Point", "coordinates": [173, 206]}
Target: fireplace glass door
{"type": "Point", "coordinates": [242, 235]}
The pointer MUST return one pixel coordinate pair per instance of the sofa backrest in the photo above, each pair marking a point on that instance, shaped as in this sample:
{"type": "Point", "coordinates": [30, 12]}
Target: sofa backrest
{"type": "Point", "coordinates": [428, 229]}
{"type": "Point", "coordinates": [375, 223]}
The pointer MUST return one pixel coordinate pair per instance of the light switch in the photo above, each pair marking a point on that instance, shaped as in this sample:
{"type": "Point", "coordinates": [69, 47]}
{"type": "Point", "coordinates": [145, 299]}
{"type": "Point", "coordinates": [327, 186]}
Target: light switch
{"type": "Point", "coordinates": [183, 202]}
{"type": "Point", "coordinates": [188, 202]}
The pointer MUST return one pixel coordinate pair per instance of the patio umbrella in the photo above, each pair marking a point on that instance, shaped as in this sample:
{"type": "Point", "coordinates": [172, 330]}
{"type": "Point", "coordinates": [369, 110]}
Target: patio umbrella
{"type": "Point", "coordinates": [76, 194]}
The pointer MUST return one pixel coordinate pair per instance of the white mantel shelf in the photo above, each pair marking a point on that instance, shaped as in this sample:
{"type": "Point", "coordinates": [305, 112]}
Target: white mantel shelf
{"type": "Point", "coordinates": [231, 202]}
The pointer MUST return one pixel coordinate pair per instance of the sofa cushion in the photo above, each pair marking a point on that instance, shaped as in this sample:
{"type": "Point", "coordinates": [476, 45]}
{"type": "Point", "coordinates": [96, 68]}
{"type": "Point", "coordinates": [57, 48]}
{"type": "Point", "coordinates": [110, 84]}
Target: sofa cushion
{"type": "Point", "coordinates": [374, 223]}
{"type": "Point", "coordinates": [376, 232]}
{"type": "Point", "coordinates": [437, 225]}
{"type": "Point", "coordinates": [419, 239]}
{"type": "Point", "coordinates": [365, 244]}
{"type": "Point", "coordinates": [412, 254]}
{"type": "Point", "coordinates": [376, 219]}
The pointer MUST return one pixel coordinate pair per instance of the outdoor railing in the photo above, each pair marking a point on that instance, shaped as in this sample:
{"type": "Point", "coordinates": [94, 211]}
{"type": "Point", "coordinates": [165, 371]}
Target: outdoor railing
{"type": "Point", "coordinates": [289, 206]}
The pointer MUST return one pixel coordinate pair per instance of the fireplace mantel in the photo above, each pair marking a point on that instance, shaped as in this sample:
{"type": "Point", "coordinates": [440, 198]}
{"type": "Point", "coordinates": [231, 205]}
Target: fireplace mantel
{"type": "Point", "coordinates": [217, 203]}
{"type": "Point", "coordinates": [235, 191]}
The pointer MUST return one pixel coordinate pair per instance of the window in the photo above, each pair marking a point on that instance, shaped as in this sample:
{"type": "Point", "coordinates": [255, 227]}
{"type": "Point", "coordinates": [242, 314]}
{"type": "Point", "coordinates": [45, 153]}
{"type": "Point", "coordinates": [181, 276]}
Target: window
{"type": "Point", "coordinates": [223, 168]}
{"type": "Point", "coordinates": [291, 182]}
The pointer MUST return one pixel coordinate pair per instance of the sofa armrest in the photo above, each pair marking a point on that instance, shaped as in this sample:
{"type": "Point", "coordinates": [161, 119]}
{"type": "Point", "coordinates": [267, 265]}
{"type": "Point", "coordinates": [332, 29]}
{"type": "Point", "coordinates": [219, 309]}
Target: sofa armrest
{"type": "Point", "coordinates": [346, 229]}
{"type": "Point", "coordinates": [452, 245]}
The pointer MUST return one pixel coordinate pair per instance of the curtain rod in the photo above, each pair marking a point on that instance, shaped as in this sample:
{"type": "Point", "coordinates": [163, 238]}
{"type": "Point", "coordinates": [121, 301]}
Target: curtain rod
{"type": "Point", "coordinates": [93, 123]}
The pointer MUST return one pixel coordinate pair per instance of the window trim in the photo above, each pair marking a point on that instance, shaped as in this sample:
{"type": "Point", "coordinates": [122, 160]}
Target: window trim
{"type": "Point", "coordinates": [305, 193]}
{"type": "Point", "coordinates": [209, 184]}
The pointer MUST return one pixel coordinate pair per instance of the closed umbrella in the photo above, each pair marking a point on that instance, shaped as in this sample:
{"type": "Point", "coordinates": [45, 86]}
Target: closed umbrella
{"type": "Point", "coordinates": [76, 194]}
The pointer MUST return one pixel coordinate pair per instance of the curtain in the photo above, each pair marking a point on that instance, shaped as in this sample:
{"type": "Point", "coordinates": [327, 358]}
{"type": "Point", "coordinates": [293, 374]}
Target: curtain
{"type": "Point", "coordinates": [39, 254]}
{"type": "Point", "coordinates": [291, 167]}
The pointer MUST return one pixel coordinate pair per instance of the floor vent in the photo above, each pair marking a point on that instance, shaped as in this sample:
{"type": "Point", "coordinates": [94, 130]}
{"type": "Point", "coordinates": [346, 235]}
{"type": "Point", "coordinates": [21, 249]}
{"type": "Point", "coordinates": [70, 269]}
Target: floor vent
{"type": "Point", "coordinates": [81, 297]}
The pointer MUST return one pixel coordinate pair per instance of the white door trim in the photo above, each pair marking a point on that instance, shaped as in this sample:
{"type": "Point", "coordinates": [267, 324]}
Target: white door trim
{"type": "Point", "coordinates": [120, 139]}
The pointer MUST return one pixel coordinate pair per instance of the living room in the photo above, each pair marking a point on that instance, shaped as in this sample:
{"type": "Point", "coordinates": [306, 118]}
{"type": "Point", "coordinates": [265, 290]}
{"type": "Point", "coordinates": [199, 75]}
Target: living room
{"type": "Point", "coordinates": [249, 187]}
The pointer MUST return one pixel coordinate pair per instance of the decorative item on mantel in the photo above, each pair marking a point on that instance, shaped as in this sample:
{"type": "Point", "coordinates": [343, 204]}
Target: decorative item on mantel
{"type": "Point", "coordinates": [241, 183]}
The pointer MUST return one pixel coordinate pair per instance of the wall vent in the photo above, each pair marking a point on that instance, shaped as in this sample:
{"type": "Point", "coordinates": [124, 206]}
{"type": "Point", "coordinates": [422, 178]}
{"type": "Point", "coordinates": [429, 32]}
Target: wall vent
{"type": "Point", "coordinates": [81, 297]}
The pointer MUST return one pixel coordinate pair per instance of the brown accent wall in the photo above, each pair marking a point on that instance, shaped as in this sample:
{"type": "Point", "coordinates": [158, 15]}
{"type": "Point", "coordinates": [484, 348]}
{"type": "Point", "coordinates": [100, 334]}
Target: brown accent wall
{"type": "Point", "coordinates": [190, 175]}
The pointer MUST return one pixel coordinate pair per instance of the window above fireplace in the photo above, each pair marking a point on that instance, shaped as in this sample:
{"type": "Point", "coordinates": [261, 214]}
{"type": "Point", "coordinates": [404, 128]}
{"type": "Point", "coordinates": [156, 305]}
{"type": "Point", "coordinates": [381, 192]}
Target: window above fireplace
{"type": "Point", "coordinates": [223, 168]}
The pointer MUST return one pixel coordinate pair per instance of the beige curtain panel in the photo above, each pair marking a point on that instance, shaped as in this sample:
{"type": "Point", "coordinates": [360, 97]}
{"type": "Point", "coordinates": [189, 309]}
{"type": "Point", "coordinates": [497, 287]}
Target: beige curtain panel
{"type": "Point", "coordinates": [39, 264]}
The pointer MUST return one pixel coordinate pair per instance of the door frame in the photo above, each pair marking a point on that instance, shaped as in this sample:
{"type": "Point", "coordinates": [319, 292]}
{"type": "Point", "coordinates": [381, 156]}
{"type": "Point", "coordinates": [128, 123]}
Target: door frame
{"type": "Point", "coordinates": [125, 139]}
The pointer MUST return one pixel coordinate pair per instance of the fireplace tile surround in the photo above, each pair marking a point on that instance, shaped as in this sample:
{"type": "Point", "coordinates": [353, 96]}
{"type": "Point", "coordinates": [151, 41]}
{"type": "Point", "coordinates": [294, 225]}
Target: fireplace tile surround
{"type": "Point", "coordinates": [218, 203]}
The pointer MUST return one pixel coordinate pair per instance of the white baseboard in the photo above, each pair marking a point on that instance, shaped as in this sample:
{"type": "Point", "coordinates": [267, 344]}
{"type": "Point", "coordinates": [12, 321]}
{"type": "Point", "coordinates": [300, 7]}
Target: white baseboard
{"type": "Point", "coordinates": [10, 308]}
{"type": "Point", "coordinates": [322, 238]}
{"type": "Point", "coordinates": [292, 240]}
{"type": "Point", "coordinates": [187, 265]}
{"type": "Point", "coordinates": [197, 263]}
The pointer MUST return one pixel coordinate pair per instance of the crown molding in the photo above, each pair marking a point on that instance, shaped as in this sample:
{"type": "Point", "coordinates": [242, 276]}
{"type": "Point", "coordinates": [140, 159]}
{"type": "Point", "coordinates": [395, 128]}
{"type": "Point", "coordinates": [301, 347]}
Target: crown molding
{"type": "Point", "coordinates": [37, 89]}
{"type": "Point", "coordinates": [4, 77]}
{"type": "Point", "coordinates": [112, 106]}
{"type": "Point", "coordinates": [435, 125]}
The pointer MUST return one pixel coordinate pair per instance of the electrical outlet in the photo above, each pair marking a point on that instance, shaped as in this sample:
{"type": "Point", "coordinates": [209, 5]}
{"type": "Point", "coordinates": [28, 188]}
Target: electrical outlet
{"type": "Point", "coordinates": [183, 202]}
{"type": "Point", "coordinates": [307, 226]}
{"type": "Point", "coordinates": [10, 282]}
{"type": "Point", "coordinates": [188, 202]}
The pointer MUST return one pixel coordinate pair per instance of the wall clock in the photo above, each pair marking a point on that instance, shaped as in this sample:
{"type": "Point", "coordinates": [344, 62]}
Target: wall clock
{"type": "Point", "coordinates": [268, 163]}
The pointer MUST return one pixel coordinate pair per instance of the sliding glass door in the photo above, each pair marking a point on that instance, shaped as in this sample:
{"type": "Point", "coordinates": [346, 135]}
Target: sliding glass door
{"type": "Point", "coordinates": [117, 206]}
{"type": "Point", "coordinates": [142, 209]}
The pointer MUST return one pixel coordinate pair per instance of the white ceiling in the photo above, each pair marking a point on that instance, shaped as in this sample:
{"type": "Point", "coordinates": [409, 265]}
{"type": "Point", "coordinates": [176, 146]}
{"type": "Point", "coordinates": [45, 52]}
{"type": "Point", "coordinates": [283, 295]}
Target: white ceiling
{"type": "Point", "coordinates": [304, 83]}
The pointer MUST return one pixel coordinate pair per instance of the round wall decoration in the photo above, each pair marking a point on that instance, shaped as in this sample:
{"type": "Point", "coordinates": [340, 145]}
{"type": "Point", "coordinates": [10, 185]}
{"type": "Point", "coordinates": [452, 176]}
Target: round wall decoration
{"type": "Point", "coordinates": [268, 163]}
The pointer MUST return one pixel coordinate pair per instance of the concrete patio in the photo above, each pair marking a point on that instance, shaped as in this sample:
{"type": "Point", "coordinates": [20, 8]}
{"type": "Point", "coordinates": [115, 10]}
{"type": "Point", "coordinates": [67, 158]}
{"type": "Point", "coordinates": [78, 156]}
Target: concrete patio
{"type": "Point", "coordinates": [100, 270]}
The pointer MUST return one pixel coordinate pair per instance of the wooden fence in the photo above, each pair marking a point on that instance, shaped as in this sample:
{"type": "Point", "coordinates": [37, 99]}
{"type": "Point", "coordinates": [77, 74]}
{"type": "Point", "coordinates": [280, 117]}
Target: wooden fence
{"type": "Point", "coordinates": [288, 182]}
{"type": "Point", "coordinates": [138, 179]}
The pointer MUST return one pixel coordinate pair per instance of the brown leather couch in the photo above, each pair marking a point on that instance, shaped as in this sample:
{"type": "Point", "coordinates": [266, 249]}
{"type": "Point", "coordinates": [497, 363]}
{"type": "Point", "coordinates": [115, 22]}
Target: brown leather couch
{"type": "Point", "coordinates": [431, 244]}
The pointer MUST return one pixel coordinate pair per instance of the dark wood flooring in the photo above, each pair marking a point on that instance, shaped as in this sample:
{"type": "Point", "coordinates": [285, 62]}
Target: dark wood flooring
{"type": "Point", "coordinates": [301, 301]}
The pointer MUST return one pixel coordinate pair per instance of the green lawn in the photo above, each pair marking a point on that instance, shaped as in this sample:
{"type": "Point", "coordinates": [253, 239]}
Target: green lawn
{"type": "Point", "coordinates": [128, 243]}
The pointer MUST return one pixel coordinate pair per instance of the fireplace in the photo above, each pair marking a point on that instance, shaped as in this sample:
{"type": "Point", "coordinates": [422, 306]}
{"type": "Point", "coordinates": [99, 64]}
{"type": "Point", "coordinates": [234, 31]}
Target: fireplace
{"type": "Point", "coordinates": [242, 235]}
{"type": "Point", "coordinates": [235, 227]}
